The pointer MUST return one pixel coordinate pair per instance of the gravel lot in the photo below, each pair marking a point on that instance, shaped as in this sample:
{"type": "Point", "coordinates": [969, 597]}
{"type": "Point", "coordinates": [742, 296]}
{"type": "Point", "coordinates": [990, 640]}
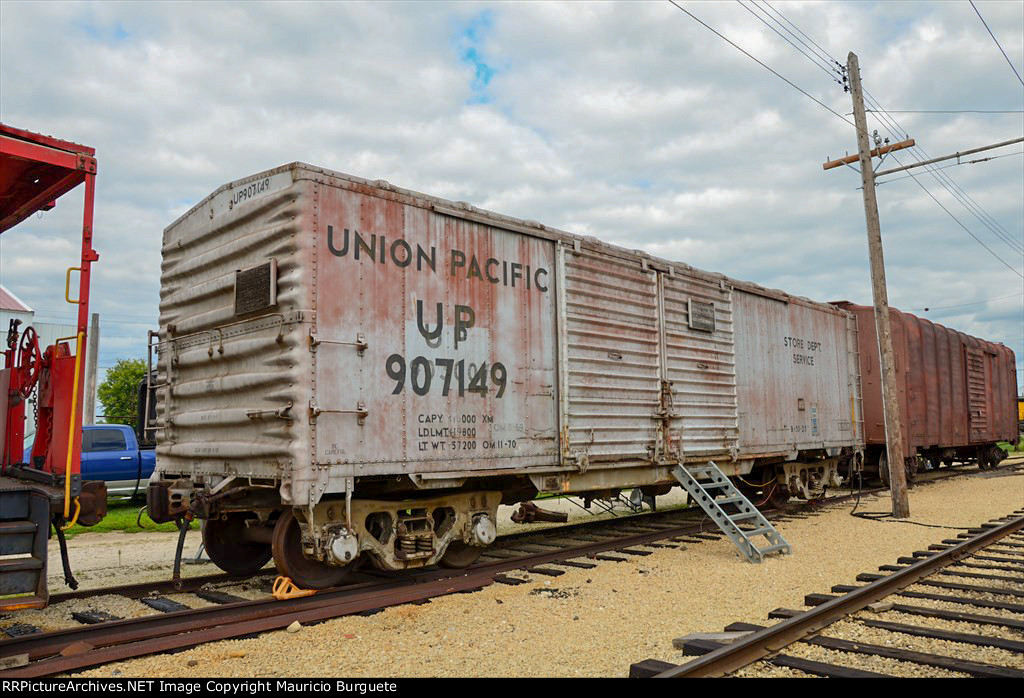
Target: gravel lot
{"type": "Point", "coordinates": [596, 622]}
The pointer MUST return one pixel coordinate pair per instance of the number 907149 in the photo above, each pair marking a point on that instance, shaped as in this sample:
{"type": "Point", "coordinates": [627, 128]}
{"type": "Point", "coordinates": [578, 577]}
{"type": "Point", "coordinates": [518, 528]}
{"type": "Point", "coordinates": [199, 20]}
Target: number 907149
{"type": "Point", "coordinates": [422, 375]}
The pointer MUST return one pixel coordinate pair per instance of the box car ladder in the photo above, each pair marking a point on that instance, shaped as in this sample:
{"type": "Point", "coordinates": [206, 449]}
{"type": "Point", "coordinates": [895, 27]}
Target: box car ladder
{"type": "Point", "coordinates": [712, 490]}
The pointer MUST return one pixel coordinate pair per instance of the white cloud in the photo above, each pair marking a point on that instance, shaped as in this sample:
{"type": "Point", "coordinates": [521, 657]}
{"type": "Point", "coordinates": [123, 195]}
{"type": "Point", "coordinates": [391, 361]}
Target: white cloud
{"type": "Point", "coordinates": [626, 121]}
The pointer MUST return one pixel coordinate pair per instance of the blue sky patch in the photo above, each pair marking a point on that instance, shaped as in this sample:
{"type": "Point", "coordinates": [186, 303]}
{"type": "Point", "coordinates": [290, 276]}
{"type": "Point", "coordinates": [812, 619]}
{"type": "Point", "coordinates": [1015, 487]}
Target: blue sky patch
{"type": "Point", "coordinates": [469, 39]}
{"type": "Point", "coordinates": [110, 34]}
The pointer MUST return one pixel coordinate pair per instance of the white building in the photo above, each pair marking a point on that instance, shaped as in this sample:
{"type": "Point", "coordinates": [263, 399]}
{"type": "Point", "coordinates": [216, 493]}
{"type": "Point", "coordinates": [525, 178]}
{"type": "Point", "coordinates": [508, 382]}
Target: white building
{"type": "Point", "coordinates": [13, 308]}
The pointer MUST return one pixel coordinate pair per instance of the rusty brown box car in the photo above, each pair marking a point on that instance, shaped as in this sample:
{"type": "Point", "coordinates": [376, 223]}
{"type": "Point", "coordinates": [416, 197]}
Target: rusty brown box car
{"type": "Point", "coordinates": [352, 371]}
{"type": "Point", "coordinates": [957, 393]}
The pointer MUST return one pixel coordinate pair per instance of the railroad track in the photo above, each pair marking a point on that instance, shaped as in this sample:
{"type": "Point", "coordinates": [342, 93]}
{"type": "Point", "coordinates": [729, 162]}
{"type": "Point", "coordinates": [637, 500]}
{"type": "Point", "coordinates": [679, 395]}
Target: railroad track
{"type": "Point", "coordinates": [545, 553]}
{"type": "Point", "coordinates": [956, 609]}
{"type": "Point", "coordinates": [103, 638]}
{"type": "Point", "coordinates": [794, 509]}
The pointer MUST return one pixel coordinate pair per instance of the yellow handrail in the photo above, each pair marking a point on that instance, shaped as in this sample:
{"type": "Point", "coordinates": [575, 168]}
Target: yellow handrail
{"type": "Point", "coordinates": [67, 286]}
{"type": "Point", "coordinates": [71, 427]}
{"type": "Point", "coordinates": [74, 519]}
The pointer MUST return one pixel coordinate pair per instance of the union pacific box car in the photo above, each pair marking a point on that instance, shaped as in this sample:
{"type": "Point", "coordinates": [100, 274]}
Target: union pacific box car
{"type": "Point", "coordinates": [348, 370]}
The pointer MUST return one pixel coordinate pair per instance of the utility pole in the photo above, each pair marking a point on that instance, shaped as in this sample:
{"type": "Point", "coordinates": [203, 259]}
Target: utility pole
{"type": "Point", "coordinates": [91, 361]}
{"type": "Point", "coordinates": [890, 399]}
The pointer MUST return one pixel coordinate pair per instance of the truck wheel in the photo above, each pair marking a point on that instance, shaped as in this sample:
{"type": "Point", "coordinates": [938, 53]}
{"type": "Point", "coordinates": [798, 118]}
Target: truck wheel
{"type": "Point", "coordinates": [222, 538]}
{"type": "Point", "coordinates": [292, 563]}
{"type": "Point", "coordinates": [458, 555]}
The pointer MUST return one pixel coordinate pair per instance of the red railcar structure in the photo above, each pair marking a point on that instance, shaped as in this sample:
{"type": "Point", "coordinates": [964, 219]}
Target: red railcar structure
{"type": "Point", "coordinates": [957, 393]}
{"type": "Point", "coordinates": [36, 170]}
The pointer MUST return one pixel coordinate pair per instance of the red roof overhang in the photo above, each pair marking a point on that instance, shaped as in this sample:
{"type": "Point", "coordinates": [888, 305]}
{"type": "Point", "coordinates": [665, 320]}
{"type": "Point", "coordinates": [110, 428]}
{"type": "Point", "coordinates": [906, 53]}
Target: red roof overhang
{"type": "Point", "coordinates": [36, 170]}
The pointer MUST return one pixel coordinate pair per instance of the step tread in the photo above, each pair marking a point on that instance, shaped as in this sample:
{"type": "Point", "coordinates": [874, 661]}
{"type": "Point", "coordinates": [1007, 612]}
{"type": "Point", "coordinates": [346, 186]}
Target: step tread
{"type": "Point", "coordinates": [20, 564]}
{"type": "Point", "coordinates": [18, 526]}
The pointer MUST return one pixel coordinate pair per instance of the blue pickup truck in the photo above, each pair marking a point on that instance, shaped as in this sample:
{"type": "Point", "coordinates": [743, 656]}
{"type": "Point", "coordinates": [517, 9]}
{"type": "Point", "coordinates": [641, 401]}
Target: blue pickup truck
{"type": "Point", "coordinates": [111, 452]}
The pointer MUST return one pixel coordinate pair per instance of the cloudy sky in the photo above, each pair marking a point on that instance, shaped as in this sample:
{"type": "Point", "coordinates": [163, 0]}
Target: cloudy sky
{"type": "Point", "coordinates": [627, 121]}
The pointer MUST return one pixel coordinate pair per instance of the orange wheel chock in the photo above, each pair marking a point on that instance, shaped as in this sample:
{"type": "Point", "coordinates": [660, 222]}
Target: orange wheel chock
{"type": "Point", "coordinates": [284, 588]}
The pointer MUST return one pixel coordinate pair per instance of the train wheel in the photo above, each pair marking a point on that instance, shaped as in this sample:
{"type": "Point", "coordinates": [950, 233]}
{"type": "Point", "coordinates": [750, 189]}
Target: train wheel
{"type": "Point", "coordinates": [983, 459]}
{"type": "Point", "coordinates": [911, 466]}
{"type": "Point", "coordinates": [222, 540]}
{"type": "Point", "coordinates": [459, 555]}
{"type": "Point", "coordinates": [291, 563]}
{"type": "Point", "coordinates": [909, 469]}
{"type": "Point", "coordinates": [779, 497]}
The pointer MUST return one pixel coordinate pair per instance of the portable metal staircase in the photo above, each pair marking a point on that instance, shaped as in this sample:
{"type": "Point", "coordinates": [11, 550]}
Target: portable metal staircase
{"type": "Point", "coordinates": [712, 490]}
{"type": "Point", "coordinates": [24, 528]}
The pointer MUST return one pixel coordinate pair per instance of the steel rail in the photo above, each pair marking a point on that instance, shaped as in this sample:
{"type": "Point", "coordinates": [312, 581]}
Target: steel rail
{"type": "Point", "coordinates": [133, 637]}
{"type": "Point", "coordinates": [192, 584]}
{"type": "Point", "coordinates": [762, 643]}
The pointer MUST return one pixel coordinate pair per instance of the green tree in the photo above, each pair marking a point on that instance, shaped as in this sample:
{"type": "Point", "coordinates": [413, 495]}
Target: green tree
{"type": "Point", "coordinates": [118, 393]}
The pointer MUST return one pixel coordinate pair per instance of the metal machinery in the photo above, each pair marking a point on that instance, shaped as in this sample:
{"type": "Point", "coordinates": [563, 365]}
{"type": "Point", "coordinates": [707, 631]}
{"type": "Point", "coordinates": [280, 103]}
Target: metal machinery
{"type": "Point", "coordinates": [35, 171]}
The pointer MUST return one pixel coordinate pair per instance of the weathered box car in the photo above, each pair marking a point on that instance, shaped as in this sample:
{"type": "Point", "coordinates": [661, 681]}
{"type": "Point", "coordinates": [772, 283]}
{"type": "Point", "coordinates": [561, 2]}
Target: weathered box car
{"type": "Point", "coordinates": [348, 369]}
{"type": "Point", "coordinates": [956, 392]}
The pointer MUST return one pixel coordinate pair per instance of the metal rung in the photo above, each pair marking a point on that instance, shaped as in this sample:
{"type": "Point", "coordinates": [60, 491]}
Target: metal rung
{"type": "Point", "coordinates": [747, 515]}
{"type": "Point", "coordinates": [698, 491]}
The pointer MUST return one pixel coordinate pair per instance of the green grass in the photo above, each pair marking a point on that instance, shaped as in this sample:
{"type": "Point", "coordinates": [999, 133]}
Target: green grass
{"type": "Point", "coordinates": [123, 515]}
{"type": "Point", "coordinates": [1019, 448]}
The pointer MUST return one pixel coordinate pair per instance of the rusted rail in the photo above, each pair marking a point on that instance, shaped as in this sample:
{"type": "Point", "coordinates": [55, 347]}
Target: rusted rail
{"type": "Point", "coordinates": [80, 647]}
{"type": "Point", "coordinates": [764, 642]}
{"type": "Point", "coordinates": [192, 584]}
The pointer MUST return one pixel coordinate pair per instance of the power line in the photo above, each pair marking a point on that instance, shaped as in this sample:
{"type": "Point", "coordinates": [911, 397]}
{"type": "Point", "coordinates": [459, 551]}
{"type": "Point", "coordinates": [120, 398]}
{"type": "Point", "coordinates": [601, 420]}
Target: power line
{"type": "Point", "coordinates": [1001, 260]}
{"type": "Point", "coordinates": [957, 164]}
{"type": "Point", "coordinates": [889, 123]}
{"type": "Point", "coordinates": [1009, 241]}
{"type": "Point", "coordinates": [949, 184]}
{"type": "Point", "coordinates": [816, 60]}
{"type": "Point", "coordinates": [827, 56]}
{"type": "Point", "coordinates": [950, 111]}
{"type": "Point", "coordinates": [759, 62]}
{"type": "Point", "coordinates": [1012, 66]}
{"type": "Point", "coordinates": [964, 305]}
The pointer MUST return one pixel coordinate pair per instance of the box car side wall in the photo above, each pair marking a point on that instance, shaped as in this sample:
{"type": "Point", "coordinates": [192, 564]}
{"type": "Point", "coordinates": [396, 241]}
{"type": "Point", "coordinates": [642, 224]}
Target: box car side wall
{"type": "Point", "coordinates": [796, 376]}
{"type": "Point", "coordinates": [936, 393]}
{"type": "Point", "coordinates": [414, 338]}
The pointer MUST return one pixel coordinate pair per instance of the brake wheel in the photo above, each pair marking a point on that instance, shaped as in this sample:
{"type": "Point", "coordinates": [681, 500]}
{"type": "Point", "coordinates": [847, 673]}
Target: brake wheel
{"type": "Point", "coordinates": [30, 361]}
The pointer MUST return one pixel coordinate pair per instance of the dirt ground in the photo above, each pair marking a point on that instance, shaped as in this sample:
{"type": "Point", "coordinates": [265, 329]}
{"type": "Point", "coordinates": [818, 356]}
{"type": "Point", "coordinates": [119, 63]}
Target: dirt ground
{"type": "Point", "coordinates": [587, 622]}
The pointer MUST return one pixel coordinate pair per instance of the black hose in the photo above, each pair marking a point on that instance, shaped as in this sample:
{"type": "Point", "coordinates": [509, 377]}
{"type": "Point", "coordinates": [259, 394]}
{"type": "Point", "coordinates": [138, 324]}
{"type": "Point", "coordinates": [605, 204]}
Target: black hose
{"type": "Point", "coordinates": [183, 526]}
{"type": "Point", "coordinates": [69, 578]}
